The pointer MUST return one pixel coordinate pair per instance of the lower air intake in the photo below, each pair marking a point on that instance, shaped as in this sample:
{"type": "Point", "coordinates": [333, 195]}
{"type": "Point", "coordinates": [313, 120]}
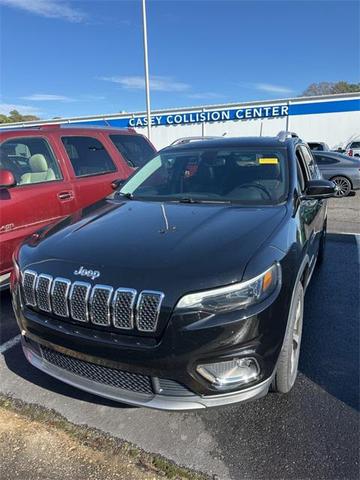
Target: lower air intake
{"type": "Point", "coordinates": [133, 382]}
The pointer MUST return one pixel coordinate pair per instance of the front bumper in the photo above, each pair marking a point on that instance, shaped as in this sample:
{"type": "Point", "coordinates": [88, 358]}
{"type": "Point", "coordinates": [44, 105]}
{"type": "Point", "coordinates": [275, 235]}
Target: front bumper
{"type": "Point", "coordinates": [174, 356]}
{"type": "Point", "coordinates": [157, 401]}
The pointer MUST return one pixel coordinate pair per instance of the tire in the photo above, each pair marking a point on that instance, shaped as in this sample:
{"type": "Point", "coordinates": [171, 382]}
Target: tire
{"type": "Point", "coordinates": [287, 366]}
{"type": "Point", "coordinates": [343, 186]}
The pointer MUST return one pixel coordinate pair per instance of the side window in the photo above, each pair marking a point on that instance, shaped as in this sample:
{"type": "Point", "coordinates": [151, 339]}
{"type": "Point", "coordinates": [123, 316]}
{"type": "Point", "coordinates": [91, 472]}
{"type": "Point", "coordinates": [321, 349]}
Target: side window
{"type": "Point", "coordinates": [309, 161]}
{"type": "Point", "coordinates": [30, 160]}
{"type": "Point", "coordinates": [135, 149]}
{"type": "Point", "coordinates": [302, 176]}
{"type": "Point", "coordinates": [322, 160]}
{"type": "Point", "coordinates": [88, 156]}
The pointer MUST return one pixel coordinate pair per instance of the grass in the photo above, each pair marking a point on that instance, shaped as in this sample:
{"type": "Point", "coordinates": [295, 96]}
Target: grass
{"type": "Point", "coordinates": [100, 441]}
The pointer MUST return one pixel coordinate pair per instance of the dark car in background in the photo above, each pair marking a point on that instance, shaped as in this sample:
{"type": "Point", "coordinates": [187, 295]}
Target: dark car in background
{"type": "Point", "coordinates": [344, 171]}
{"type": "Point", "coordinates": [185, 288]}
{"type": "Point", "coordinates": [318, 146]}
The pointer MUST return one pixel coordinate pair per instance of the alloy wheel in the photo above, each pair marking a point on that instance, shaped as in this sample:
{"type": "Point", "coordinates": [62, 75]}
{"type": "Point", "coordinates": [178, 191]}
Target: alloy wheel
{"type": "Point", "coordinates": [342, 186]}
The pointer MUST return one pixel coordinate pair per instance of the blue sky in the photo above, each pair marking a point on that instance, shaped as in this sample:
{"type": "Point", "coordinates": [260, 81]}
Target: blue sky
{"type": "Point", "coordinates": [67, 58]}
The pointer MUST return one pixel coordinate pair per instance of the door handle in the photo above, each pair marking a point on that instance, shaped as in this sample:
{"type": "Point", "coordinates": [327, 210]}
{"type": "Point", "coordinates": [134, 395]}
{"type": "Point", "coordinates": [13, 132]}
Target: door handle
{"type": "Point", "coordinates": [63, 196]}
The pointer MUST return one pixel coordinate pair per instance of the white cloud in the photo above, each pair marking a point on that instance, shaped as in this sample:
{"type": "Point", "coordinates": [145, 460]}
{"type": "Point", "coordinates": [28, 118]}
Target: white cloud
{"type": "Point", "coordinates": [45, 97]}
{"type": "Point", "coordinates": [268, 87]}
{"type": "Point", "coordinates": [5, 109]}
{"type": "Point", "coordinates": [205, 96]}
{"type": "Point", "coordinates": [157, 83]}
{"type": "Point", "coordinates": [48, 8]}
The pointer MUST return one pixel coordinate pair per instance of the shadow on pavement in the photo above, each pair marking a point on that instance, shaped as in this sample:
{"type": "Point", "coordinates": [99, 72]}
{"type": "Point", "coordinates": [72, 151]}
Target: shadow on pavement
{"type": "Point", "coordinates": [330, 345]}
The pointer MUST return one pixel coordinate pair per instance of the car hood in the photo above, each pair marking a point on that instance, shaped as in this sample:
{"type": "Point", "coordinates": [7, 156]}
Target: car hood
{"type": "Point", "coordinates": [152, 245]}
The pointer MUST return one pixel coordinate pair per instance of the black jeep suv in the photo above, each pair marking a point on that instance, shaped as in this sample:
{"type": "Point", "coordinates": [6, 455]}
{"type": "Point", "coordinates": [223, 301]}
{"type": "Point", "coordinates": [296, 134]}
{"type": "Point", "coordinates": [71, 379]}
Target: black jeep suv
{"type": "Point", "coordinates": [185, 288]}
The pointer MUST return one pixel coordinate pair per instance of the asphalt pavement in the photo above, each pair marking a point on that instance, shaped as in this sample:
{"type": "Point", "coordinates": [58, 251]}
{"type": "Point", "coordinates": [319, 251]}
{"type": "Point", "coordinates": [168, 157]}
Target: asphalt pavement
{"type": "Point", "coordinates": [311, 433]}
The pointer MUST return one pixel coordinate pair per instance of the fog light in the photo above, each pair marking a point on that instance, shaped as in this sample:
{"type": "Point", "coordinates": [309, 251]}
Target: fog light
{"type": "Point", "coordinates": [231, 372]}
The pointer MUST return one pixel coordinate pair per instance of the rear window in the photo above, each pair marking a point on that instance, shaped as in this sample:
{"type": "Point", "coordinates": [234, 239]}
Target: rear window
{"type": "Point", "coordinates": [135, 150]}
{"type": "Point", "coordinates": [323, 160]}
{"type": "Point", "coordinates": [355, 145]}
{"type": "Point", "coordinates": [315, 146]}
{"type": "Point", "coordinates": [88, 156]}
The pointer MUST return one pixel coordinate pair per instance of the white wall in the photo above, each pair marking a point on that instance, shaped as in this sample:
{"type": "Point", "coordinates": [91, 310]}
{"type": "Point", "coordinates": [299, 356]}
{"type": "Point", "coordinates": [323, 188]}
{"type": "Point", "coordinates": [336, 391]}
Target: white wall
{"type": "Point", "coordinates": [336, 129]}
{"type": "Point", "coordinates": [333, 128]}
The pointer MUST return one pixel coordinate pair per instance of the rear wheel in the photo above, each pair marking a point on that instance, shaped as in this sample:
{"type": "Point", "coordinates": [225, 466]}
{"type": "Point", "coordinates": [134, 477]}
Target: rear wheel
{"type": "Point", "coordinates": [343, 186]}
{"type": "Point", "coordinates": [287, 367]}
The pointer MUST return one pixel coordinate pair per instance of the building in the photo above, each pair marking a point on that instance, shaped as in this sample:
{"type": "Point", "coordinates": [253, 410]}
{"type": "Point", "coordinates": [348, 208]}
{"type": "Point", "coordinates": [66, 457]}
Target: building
{"type": "Point", "coordinates": [334, 119]}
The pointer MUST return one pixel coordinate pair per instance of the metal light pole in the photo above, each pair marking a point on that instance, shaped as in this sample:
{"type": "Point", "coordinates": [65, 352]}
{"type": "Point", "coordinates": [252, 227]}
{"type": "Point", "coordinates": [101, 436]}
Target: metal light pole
{"type": "Point", "coordinates": [146, 64]}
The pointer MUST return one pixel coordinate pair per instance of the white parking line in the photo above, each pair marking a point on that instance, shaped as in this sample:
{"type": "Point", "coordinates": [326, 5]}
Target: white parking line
{"type": "Point", "coordinates": [10, 343]}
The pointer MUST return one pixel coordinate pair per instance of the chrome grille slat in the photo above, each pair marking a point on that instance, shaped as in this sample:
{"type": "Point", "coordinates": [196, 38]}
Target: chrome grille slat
{"type": "Point", "coordinates": [43, 286]}
{"type": "Point", "coordinates": [123, 308]}
{"type": "Point", "coordinates": [59, 296]}
{"type": "Point", "coordinates": [148, 309]}
{"type": "Point", "coordinates": [100, 301]}
{"type": "Point", "coordinates": [94, 304]}
{"type": "Point", "coordinates": [29, 282]}
{"type": "Point", "coordinates": [78, 300]}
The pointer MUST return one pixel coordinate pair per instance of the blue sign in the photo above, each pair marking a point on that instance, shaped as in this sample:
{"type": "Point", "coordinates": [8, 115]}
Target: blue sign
{"type": "Point", "coordinates": [211, 116]}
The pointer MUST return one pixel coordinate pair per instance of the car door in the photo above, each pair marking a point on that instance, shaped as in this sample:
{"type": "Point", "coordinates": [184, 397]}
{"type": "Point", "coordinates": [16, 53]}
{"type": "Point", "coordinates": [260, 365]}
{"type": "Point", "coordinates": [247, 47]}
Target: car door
{"type": "Point", "coordinates": [92, 168]}
{"type": "Point", "coordinates": [42, 194]}
{"type": "Point", "coordinates": [312, 212]}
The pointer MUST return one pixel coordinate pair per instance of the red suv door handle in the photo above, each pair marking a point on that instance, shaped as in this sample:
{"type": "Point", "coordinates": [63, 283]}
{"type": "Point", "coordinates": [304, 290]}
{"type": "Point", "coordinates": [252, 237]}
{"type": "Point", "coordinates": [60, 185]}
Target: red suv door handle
{"type": "Point", "coordinates": [64, 196]}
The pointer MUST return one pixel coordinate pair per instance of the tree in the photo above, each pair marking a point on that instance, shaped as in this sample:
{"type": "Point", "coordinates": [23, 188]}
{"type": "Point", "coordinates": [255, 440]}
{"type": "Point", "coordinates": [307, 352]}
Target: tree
{"type": "Point", "coordinates": [15, 116]}
{"type": "Point", "coordinates": [328, 88]}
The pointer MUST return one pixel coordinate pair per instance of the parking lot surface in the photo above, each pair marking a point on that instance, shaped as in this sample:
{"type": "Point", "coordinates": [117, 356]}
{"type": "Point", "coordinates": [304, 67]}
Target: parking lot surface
{"type": "Point", "coordinates": [311, 433]}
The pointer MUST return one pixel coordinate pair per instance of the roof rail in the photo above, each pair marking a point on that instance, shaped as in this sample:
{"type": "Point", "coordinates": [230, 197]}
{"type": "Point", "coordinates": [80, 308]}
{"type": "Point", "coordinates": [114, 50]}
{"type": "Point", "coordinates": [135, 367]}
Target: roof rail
{"type": "Point", "coordinates": [284, 134]}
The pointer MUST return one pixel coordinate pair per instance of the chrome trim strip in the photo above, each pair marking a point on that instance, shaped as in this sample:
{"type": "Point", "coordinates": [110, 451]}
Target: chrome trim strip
{"type": "Point", "coordinates": [138, 318]}
{"type": "Point", "coordinates": [68, 284]}
{"type": "Point", "coordinates": [47, 277]}
{"type": "Point", "coordinates": [133, 292]}
{"type": "Point", "coordinates": [34, 274]}
{"type": "Point", "coordinates": [108, 303]}
{"type": "Point", "coordinates": [86, 300]}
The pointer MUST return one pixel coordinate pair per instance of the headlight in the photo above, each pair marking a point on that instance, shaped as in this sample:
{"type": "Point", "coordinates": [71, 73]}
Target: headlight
{"type": "Point", "coordinates": [236, 296]}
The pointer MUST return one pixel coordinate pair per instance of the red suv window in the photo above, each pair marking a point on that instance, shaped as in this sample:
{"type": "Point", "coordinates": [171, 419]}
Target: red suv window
{"type": "Point", "coordinates": [88, 156]}
{"type": "Point", "coordinates": [30, 160]}
{"type": "Point", "coordinates": [134, 149]}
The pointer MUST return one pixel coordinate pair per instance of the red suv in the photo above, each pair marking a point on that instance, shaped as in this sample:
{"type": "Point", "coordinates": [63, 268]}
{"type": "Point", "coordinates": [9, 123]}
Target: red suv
{"type": "Point", "coordinates": [49, 172]}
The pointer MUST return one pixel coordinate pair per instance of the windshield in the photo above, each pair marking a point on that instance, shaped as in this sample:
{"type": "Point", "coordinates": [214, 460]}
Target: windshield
{"type": "Point", "coordinates": [243, 175]}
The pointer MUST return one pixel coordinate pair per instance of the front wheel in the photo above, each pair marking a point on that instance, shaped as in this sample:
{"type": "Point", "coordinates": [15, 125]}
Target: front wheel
{"type": "Point", "coordinates": [342, 186]}
{"type": "Point", "coordinates": [287, 367]}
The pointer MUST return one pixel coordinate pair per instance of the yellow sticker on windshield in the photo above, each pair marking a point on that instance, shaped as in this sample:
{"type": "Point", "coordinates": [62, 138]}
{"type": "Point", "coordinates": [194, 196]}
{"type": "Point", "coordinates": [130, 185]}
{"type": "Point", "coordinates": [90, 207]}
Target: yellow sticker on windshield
{"type": "Point", "coordinates": [268, 161]}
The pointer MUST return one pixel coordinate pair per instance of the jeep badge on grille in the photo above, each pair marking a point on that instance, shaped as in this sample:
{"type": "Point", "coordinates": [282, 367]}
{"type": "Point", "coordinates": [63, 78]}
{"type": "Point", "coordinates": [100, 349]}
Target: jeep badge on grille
{"type": "Point", "coordinates": [84, 272]}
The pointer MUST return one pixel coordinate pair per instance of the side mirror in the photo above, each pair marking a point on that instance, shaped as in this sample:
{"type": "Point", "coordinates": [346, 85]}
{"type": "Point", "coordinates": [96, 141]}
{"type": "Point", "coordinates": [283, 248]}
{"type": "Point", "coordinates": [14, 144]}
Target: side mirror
{"type": "Point", "coordinates": [319, 189]}
{"type": "Point", "coordinates": [115, 184]}
{"type": "Point", "coordinates": [7, 179]}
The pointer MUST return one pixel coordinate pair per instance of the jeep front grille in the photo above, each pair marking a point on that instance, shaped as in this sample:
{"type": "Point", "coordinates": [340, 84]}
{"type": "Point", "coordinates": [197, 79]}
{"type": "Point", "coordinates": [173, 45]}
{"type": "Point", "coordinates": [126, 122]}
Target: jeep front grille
{"type": "Point", "coordinates": [148, 310]}
{"type": "Point", "coordinates": [43, 284]}
{"type": "Point", "coordinates": [29, 281]}
{"type": "Point", "coordinates": [100, 305]}
{"type": "Point", "coordinates": [123, 308]}
{"type": "Point", "coordinates": [59, 296]}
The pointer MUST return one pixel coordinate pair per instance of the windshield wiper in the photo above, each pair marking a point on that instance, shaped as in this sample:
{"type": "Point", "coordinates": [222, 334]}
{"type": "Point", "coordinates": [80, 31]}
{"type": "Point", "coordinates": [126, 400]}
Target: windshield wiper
{"type": "Point", "coordinates": [128, 195]}
{"type": "Point", "coordinates": [194, 200]}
